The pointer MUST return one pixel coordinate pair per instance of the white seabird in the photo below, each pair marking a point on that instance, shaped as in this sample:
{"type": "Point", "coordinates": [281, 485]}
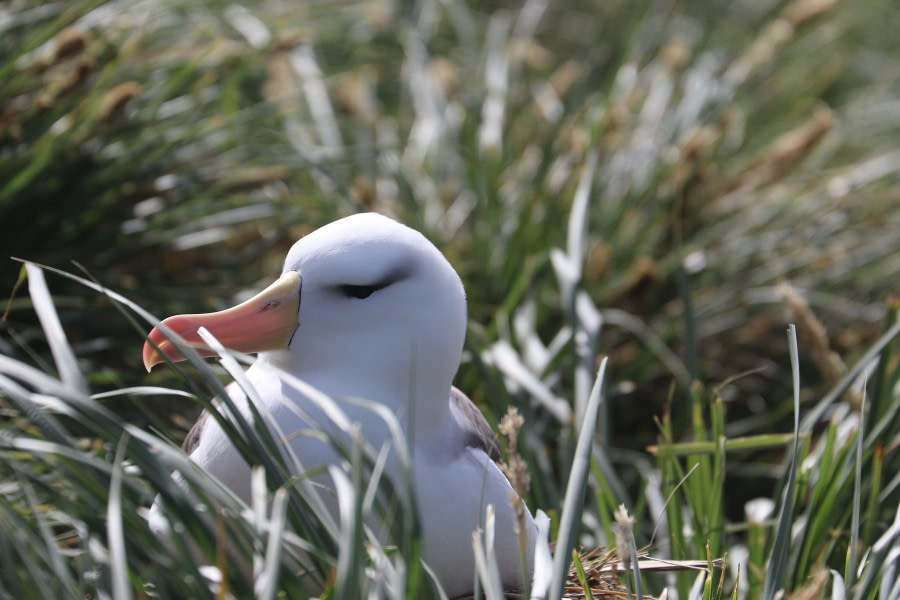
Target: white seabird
{"type": "Point", "coordinates": [369, 308]}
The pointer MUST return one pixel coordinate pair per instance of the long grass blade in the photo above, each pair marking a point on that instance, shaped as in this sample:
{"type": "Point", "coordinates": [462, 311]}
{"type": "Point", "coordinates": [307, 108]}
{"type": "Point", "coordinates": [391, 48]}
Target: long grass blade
{"type": "Point", "coordinates": [143, 390]}
{"type": "Point", "coordinates": [748, 443]}
{"type": "Point", "coordinates": [570, 517]}
{"type": "Point", "coordinates": [349, 491]}
{"type": "Point", "coordinates": [883, 565]}
{"type": "Point", "coordinates": [853, 549]}
{"type": "Point", "coordinates": [266, 584]}
{"type": "Point", "coordinates": [579, 572]}
{"type": "Point", "coordinates": [778, 559]}
{"type": "Point", "coordinates": [485, 558]}
{"type": "Point", "coordinates": [66, 363]}
{"type": "Point", "coordinates": [118, 559]}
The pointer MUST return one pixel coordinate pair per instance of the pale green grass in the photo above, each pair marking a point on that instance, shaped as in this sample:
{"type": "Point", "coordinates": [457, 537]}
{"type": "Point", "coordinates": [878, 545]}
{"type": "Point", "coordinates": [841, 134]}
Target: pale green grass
{"type": "Point", "coordinates": [665, 184]}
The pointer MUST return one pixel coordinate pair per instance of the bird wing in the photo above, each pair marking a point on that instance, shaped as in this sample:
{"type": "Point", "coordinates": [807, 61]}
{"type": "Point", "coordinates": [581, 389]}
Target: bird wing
{"type": "Point", "coordinates": [477, 431]}
{"type": "Point", "coordinates": [193, 437]}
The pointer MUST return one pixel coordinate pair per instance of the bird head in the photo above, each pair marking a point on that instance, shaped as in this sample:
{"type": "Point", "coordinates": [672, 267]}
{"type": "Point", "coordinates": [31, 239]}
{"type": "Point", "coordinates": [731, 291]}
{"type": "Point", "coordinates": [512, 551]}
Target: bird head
{"type": "Point", "coordinates": [364, 298]}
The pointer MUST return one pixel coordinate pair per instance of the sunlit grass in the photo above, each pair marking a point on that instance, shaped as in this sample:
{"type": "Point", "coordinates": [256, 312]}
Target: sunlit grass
{"type": "Point", "coordinates": [668, 185]}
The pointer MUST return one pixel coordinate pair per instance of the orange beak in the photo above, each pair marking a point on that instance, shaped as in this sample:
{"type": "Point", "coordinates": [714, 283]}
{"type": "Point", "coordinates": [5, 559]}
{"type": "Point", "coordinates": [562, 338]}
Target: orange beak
{"type": "Point", "coordinates": [266, 321]}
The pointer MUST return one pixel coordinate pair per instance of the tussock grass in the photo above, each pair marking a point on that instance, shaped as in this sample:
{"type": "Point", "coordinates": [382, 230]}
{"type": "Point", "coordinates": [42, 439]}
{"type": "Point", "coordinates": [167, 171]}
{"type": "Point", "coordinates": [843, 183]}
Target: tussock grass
{"type": "Point", "coordinates": [668, 185]}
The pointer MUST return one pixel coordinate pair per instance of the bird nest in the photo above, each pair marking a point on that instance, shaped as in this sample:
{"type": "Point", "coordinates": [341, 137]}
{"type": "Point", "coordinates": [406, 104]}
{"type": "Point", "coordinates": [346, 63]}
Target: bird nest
{"type": "Point", "coordinates": [602, 574]}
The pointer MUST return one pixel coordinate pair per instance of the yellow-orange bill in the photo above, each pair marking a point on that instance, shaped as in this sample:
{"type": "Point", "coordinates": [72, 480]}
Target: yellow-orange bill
{"type": "Point", "coordinates": [266, 321]}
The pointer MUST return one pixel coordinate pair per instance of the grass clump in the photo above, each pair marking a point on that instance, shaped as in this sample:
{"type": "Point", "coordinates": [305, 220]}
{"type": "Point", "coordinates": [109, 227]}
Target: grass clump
{"type": "Point", "coordinates": [664, 184]}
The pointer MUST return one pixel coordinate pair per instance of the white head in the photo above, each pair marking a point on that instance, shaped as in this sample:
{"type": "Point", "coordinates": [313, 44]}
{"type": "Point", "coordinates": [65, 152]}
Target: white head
{"type": "Point", "coordinates": [380, 307]}
{"type": "Point", "coordinates": [382, 314]}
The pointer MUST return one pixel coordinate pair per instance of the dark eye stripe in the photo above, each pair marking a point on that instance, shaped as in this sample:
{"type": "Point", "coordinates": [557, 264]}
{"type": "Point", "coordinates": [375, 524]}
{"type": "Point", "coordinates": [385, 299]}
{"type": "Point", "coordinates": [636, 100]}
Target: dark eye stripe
{"type": "Point", "coordinates": [359, 291]}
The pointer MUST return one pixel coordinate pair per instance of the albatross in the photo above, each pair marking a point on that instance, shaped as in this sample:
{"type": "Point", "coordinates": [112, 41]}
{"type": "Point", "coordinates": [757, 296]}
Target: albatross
{"type": "Point", "coordinates": [368, 308]}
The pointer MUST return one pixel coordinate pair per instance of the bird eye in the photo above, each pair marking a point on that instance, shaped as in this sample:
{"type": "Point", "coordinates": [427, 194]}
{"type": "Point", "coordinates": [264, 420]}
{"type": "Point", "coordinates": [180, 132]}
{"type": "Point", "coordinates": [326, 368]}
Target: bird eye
{"type": "Point", "coordinates": [359, 291]}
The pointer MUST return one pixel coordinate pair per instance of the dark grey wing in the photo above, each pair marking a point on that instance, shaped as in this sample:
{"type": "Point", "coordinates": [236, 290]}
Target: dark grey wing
{"type": "Point", "coordinates": [193, 437]}
{"type": "Point", "coordinates": [478, 434]}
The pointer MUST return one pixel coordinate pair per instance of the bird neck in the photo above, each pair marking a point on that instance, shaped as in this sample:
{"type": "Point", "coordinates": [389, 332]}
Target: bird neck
{"type": "Point", "coordinates": [417, 397]}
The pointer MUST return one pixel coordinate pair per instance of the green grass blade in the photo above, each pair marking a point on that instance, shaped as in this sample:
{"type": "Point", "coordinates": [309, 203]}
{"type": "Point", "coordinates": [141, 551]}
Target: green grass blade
{"type": "Point", "coordinates": [853, 550]}
{"type": "Point", "coordinates": [66, 364]}
{"type": "Point", "coordinates": [43, 538]}
{"type": "Point", "coordinates": [605, 499]}
{"type": "Point", "coordinates": [485, 559]}
{"type": "Point", "coordinates": [884, 379]}
{"type": "Point", "coordinates": [777, 565]}
{"type": "Point", "coordinates": [266, 584]}
{"type": "Point", "coordinates": [749, 443]}
{"type": "Point", "coordinates": [673, 478]}
{"type": "Point", "coordinates": [570, 518]}
{"type": "Point", "coordinates": [757, 512]}
{"type": "Point", "coordinates": [118, 559]}
{"type": "Point", "coordinates": [579, 571]}
{"type": "Point", "coordinates": [350, 491]}
{"type": "Point", "coordinates": [874, 489]}
{"type": "Point", "coordinates": [882, 569]}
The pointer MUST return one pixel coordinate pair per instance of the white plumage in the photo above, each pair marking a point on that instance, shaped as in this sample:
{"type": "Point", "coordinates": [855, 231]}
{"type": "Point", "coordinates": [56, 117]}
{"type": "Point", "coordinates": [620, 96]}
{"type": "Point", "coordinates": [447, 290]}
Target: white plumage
{"type": "Point", "coordinates": [368, 308]}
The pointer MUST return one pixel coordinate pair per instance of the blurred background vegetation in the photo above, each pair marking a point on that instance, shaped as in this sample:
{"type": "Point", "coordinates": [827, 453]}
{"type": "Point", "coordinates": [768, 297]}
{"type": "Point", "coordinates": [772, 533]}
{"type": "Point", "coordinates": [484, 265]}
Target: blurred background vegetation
{"type": "Point", "coordinates": [669, 183]}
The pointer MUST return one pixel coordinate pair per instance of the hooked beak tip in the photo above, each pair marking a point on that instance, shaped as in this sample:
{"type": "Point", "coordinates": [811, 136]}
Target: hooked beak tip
{"type": "Point", "coordinates": [150, 355]}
